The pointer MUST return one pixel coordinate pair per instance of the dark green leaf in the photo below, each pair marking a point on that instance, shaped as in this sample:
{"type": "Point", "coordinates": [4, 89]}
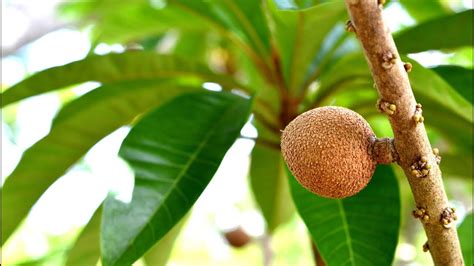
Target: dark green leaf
{"type": "Point", "coordinates": [447, 32]}
{"type": "Point", "coordinates": [270, 186]}
{"type": "Point", "coordinates": [174, 151]}
{"type": "Point", "coordinates": [359, 230]}
{"type": "Point", "coordinates": [81, 125]}
{"type": "Point", "coordinates": [86, 249]}
{"type": "Point", "coordinates": [109, 69]}
{"type": "Point", "coordinates": [458, 77]}
{"type": "Point", "coordinates": [299, 35]}
{"type": "Point", "coordinates": [465, 236]}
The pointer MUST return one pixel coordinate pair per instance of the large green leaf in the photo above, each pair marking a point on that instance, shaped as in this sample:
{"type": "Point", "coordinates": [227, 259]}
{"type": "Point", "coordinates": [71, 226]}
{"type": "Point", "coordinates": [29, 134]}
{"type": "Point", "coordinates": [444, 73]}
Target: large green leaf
{"type": "Point", "coordinates": [423, 10]}
{"type": "Point", "coordinates": [81, 125]}
{"type": "Point", "coordinates": [460, 78]}
{"type": "Point", "coordinates": [359, 230]}
{"type": "Point", "coordinates": [446, 32]}
{"type": "Point", "coordinates": [269, 184]}
{"type": "Point", "coordinates": [86, 249]}
{"type": "Point", "coordinates": [299, 35]}
{"type": "Point", "coordinates": [465, 236]}
{"type": "Point", "coordinates": [174, 151]}
{"type": "Point", "coordinates": [109, 69]}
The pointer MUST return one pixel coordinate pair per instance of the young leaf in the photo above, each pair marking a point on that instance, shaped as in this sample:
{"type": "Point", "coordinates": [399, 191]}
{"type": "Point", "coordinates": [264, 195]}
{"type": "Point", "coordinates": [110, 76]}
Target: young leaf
{"type": "Point", "coordinates": [298, 40]}
{"type": "Point", "coordinates": [244, 20]}
{"type": "Point", "coordinates": [108, 69]}
{"type": "Point", "coordinates": [359, 230]}
{"type": "Point", "coordinates": [465, 236]}
{"type": "Point", "coordinates": [76, 129]}
{"type": "Point", "coordinates": [86, 249]}
{"type": "Point", "coordinates": [440, 33]}
{"type": "Point", "coordinates": [174, 151]}
{"type": "Point", "coordinates": [270, 186]}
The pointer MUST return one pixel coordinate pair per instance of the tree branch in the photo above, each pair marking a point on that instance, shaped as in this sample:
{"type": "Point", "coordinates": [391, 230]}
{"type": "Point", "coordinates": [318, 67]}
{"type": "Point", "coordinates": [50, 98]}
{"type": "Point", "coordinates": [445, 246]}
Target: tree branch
{"type": "Point", "coordinates": [416, 157]}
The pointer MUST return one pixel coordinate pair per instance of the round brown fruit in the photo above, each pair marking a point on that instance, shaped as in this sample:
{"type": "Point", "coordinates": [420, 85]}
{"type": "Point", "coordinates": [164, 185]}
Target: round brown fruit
{"type": "Point", "coordinates": [327, 150]}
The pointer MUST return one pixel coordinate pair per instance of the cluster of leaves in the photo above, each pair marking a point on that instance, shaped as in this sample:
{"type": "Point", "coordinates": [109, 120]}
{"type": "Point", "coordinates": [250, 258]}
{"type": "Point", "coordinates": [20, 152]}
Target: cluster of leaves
{"type": "Point", "coordinates": [285, 60]}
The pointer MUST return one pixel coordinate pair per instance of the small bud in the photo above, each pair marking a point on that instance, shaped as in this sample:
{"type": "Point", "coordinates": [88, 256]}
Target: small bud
{"type": "Point", "coordinates": [426, 217]}
{"type": "Point", "coordinates": [424, 159]}
{"type": "Point", "coordinates": [425, 172]}
{"type": "Point", "coordinates": [414, 172]}
{"type": "Point", "coordinates": [435, 151]}
{"type": "Point", "coordinates": [408, 67]}
{"type": "Point", "coordinates": [426, 247]}
{"type": "Point", "coordinates": [428, 166]}
{"type": "Point", "coordinates": [417, 118]}
{"type": "Point", "coordinates": [419, 106]}
{"type": "Point", "coordinates": [393, 107]}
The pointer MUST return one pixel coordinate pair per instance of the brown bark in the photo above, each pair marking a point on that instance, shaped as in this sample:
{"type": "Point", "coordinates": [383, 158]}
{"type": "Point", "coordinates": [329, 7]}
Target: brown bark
{"type": "Point", "coordinates": [411, 142]}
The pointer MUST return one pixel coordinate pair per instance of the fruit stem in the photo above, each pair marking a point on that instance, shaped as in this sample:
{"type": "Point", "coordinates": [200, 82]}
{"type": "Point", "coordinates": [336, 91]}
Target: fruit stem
{"type": "Point", "coordinates": [383, 150]}
{"type": "Point", "coordinates": [410, 139]}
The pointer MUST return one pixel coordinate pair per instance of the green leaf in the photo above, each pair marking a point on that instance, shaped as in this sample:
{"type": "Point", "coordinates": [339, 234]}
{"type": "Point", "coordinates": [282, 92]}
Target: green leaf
{"type": "Point", "coordinates": [359, 230]}
{"type": "Point", "coordinates": [465, 236]}
{"type": "Point", "coordinates": [269, 184]}
{"type": "Point", "coordinates": [76, 129]}
{"type": "Point", "coordinates": [299, 35]}
{"type": "Point", "coordinates": [159, 254]}
{"type": "Point", "coordinates": [447, 32]}
{"type": "Point", "coordinates": [429, 9]}
{"type": "Point", "coordinates": [86, 249]}
{"type": "Point", "coordinates": [458, 77]}
{"type": "Point", "coordinates": [174, 151]}
{"type": "Point", "coordinates": [109, 69]}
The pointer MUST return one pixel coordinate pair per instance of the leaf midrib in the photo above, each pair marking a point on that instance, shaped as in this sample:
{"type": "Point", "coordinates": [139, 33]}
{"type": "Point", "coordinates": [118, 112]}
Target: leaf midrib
{"type": "Point", "coordinates": [342, 212]}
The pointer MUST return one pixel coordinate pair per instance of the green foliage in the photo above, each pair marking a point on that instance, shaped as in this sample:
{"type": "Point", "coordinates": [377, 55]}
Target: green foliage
{"type": "Point", "coordinates": [451, 31]}
{"type": "Point", "coordinates": [359, 230]}
{"type": "Point", "coordinates": [289, 56]}
{"type": "Point", "coordinates": [459, 78]}
{"type": "Point", "coordinates": [174, 152]}
{"type": "Point", "coordinates": [465, 236]}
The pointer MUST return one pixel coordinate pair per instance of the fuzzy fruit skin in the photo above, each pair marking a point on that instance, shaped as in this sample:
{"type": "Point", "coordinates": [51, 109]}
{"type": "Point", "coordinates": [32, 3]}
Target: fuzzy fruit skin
{"type": "Point", "coordinates": [327, 150]}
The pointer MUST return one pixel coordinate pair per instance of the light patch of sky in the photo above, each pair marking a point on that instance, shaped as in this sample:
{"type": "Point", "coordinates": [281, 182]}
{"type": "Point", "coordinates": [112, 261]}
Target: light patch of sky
{"type": "Point", "coordinates": [396, 17]}
{"type": "Point", "coordinates": [103, 48]}
{"type": "Point", "coordinates": [13, 70]}
{"type": "Point", "coordinates": [57, 48]}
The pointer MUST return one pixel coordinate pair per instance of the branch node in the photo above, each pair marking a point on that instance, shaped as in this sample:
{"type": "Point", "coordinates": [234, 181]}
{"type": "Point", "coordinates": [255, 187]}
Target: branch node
{"type": "Point", "coordinates": [418, 117]}
{"type": "Point", "coordinates": [381, 2]}
{"type": "Point", "coordinates": [421, 167]}
{"type": "Point", "coordinates": [448, 216]}
{"type": "Point", "coordinates": [386, 107]}
{"type": "Point", "coordinates": [350, 27]}
{"type": "Point", "coordinates": [408, 67]}
{"type": "Point", "coordinates": [389, 59]}
{"type": "Point", "coordinates": [421, 213]}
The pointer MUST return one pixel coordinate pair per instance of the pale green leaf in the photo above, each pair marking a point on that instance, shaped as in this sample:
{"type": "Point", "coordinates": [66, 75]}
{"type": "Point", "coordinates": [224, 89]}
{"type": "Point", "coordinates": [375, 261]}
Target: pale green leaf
{"type": "Point", "coordinates": [81, 125]}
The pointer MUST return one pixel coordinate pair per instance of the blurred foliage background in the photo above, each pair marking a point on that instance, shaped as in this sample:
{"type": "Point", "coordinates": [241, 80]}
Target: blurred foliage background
{"type": "Point", "coordinates": [259, 47]}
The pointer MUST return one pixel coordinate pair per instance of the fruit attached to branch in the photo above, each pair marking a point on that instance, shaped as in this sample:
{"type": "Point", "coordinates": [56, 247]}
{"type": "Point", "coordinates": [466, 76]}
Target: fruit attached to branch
{"type": "Point", "coordinates": [333, 152]}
